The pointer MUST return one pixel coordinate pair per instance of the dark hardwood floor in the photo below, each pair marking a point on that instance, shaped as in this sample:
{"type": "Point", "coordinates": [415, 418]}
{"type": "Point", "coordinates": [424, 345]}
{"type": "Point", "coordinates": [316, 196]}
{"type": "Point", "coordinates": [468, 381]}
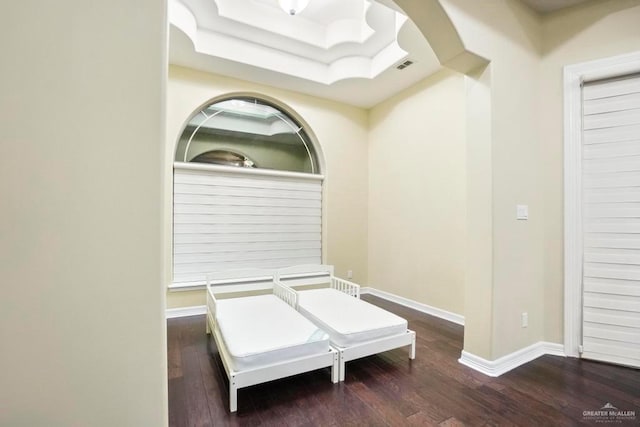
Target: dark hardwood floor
{"type": "Point", "coordinates": [389, 390]}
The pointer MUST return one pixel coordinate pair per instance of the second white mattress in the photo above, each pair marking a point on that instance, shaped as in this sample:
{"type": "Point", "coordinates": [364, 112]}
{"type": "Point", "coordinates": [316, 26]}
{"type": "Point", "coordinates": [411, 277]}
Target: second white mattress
{"type": "Point", "coordinates": [346, 319]}
{"type": "Point", "coordinates": [261, 330]}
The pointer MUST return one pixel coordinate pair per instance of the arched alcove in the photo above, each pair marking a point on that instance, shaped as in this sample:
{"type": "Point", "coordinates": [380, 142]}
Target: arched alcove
{"type": "Point", "coordinates": [247, 189]}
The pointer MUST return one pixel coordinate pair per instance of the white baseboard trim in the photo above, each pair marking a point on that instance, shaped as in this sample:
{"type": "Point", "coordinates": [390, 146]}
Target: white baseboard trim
{"type": "Point", "coordinates": [553, 349]}
{"type": "Point", "coordinates": [423, 308]}
{"type": "Point", "coordinates": [172, 313]}
{"type": "Point", "coordinates": [495, 368]}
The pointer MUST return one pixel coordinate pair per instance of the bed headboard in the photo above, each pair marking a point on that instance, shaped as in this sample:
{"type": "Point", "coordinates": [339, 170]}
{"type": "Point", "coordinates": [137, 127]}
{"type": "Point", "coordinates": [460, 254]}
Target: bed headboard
{"type": "Point", "coordinates": [240, 280]}
{"type": "Point", "coordinates": [307, 274]}
{"type": "Point", "coordinates": [315, 274]}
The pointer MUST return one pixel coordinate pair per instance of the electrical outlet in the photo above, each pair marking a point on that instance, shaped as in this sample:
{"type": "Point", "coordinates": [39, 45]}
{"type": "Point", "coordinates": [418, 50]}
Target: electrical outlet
{"type": "Point", "coordinates": [525, 319]}
{"type": "Point", "coordinates": [350, 274]}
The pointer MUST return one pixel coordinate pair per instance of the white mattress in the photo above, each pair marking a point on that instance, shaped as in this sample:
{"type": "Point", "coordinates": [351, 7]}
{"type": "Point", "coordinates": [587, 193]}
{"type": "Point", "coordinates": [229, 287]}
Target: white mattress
{"type": "Point", "coordinates": [346, 319]}
{"type": "Point", "coordinates": [261, 330]}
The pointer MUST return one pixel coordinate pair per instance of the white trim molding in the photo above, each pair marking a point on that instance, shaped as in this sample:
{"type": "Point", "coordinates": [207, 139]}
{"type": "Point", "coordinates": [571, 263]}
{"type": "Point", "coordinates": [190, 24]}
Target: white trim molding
{"type": "Point", "coordinates": [418, 306]}
{"type": "Point", "coordinates": [196, 310]}
{"type": "Point", "coordinates": [574, 77]}
{"type": "Point", "coordinates": [495, 368]}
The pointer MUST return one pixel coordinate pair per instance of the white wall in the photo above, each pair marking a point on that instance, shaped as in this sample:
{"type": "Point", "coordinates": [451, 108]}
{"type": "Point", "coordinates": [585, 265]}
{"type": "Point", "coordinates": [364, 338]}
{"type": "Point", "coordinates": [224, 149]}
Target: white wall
{"type": "Point", "coordinates": [82, 325]}
{"type": "Point", "coordinates": [342, 133]}
{"type": "Point", "coordinates": [417, 197]}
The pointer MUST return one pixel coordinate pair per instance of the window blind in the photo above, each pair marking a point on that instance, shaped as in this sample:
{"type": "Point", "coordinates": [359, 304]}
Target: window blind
{"type": "Point", "coordinates": [611, 218]}
{"type": "Point", "coordinates": [228, 218]}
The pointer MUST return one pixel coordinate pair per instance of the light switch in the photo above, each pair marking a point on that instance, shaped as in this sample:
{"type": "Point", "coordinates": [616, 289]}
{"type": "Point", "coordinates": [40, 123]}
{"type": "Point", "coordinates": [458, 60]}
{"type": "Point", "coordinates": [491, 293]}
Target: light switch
{"type": "Point", "coordinates": [522, 212]}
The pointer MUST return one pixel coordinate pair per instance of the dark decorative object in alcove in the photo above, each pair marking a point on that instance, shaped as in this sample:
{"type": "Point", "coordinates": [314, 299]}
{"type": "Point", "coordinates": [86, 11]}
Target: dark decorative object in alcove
{"type": "Point", "coordinates": [226, 158]}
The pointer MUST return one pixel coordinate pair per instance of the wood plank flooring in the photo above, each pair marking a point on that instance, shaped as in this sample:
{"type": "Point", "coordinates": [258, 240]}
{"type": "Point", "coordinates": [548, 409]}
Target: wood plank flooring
{"type": "Point", "coordinates": [389, 390]}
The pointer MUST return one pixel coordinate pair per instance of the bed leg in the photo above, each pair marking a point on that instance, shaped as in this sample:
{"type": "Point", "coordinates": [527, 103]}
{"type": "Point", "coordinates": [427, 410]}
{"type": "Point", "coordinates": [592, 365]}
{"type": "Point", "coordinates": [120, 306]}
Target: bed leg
{"type": "Point", "coordinates": [208, 326]}
{"type": "Point", "coordinates": [233, 395]}
{"type": "Point", "coordinates": [412, 352]}
{"type": "Point", "coordinates": [343, 365]}
{"type": "Point", "coordinates": [335, 369]}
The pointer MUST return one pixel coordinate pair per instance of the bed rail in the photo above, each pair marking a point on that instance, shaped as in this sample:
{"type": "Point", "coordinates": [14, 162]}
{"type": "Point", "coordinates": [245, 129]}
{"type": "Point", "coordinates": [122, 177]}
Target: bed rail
{"type": "Point", "coordinates": [212, 305]}
{"type": "Point", "coordinates": [286, 294]}
{"type": "Point", "coordinates": [212, 302]}
{"type": "Point", "coordinates": [345, 286]}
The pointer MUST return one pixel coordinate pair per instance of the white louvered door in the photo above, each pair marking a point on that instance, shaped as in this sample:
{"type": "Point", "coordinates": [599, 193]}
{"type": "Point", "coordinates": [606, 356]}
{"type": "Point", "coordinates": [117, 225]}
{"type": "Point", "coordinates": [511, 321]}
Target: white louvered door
{"type": "Point", "coordinates": [611, 221]}
{"type": "Point", "coordinates": [228, 219]}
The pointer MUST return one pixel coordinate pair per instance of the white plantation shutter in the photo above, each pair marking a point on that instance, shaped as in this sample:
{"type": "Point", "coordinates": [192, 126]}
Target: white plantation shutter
{"type": "Point", "coordinates": [228, 218]}
{"type": "Point", "coordinates": [611, 197]}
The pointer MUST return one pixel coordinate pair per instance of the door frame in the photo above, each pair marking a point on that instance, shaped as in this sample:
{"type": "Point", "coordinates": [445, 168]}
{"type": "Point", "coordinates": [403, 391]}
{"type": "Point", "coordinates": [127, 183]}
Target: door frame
{"type": "Point", "coordinates": [574, 76]}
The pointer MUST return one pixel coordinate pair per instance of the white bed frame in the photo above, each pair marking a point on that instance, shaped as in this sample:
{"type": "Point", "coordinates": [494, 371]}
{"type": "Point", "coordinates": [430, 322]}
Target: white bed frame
{"type": "Point", "coordinates": [285, 368]}
{"type": "Point", "coordinates": [305, 275]}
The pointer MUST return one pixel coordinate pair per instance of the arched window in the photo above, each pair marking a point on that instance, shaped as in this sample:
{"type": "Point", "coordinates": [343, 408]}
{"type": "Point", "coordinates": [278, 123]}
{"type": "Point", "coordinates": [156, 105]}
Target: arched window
{"type": "Point", "coordinates": [247, 191]}
{"type": "Point", "coordinates": [254, 131]}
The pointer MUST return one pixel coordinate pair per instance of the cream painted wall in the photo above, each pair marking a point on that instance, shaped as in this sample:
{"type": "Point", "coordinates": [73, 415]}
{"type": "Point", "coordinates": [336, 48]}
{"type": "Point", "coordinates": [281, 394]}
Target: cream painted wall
{"type": "Point", "coordinates": [509, 35]}
{"type": "Point", "coordinates": [82, 318]}
{"type": "Point", "coordinates": [594, 31]}
{"type": "Point", "coordinates": [526, 54]}
{"type": "Point", "coordinates": [342, 133]}
{"type": "Point", "coordinates": [478, 290]}
{"type": "Point", "coordinates": [417, 197]}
